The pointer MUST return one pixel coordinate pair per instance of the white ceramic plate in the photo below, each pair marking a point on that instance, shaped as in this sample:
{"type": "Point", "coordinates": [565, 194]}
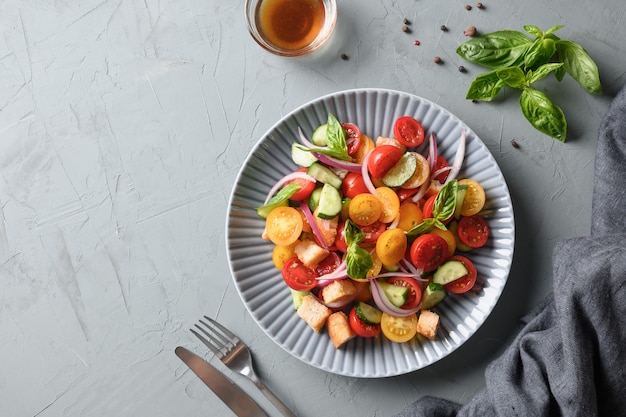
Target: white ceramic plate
{"type": "Point", "coordinates": [260, 284]}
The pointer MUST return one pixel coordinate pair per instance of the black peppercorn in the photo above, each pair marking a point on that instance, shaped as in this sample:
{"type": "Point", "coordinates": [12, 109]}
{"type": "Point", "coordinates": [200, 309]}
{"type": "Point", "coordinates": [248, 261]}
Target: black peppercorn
{"type": "Point", "coordinates": [344, 57]}
{"type": "Point", "coordinates": [406, 29]}
{"type": "Point", "coordinates": [437, 60]}
{"type": "Point", "coordinates": [462, 68]}
{"type": "Point", "coordinates": [468, 7]}
{"type": "Point", "coordinates": [443, 27]}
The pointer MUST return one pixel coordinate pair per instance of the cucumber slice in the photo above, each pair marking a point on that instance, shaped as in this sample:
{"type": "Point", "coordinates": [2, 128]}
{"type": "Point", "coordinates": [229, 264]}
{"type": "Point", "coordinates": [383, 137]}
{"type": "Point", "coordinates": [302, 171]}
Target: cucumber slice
{"type": "Point", "coordinates": [314, 199]}
{"type": "Point", "coordinates": [401, 172]}
{"type": "Point", "coordinates": [368, 313]}
{"type": "Point", "coordinates": [330, 203]}
{"type": "Point", "coordinates": [297, 297]}
{"type": "Point", "coordinates": [449, 271]}
{"type": "Point", "coordinates": [460, 196]}
{"type": "Point", "coordinates": [319, 135]}
{"type": "Point", "coordinates": [433, 294]}
{"type": "Point", "coordinates": [397, 295]}
{"type": "Point", "coordinates": [324, 174]}
{"type": "Point", "coordinates": [302, 157]}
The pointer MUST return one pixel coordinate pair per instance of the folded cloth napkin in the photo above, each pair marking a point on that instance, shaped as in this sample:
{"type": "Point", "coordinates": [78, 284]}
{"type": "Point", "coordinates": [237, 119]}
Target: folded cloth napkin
{"type": "Point", "coordinates": [570, 357]}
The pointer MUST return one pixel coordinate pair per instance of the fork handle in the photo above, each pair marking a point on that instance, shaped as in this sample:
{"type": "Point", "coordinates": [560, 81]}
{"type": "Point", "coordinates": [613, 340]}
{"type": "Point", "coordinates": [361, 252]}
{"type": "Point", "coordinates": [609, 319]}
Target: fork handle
{"type": "Point", "coordinates": [275, 400]}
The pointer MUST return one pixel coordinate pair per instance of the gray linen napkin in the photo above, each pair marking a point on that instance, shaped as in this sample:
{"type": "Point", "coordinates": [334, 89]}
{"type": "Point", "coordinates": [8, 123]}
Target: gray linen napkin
{"type": "Point", "coordinates": [570, 357]}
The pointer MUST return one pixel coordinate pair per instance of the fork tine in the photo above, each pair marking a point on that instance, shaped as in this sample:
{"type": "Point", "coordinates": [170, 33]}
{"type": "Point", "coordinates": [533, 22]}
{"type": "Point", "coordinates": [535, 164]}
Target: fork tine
{"type": "Point", "coordinates": [233, 338]}
{"type": "Point", "coordinates": [215, 331]}
{"type": "Point", "coordinates": [208, 344]}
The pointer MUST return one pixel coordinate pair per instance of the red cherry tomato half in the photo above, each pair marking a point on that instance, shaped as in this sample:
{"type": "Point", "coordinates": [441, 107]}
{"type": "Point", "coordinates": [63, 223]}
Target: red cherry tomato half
{"type": "Point", "coordinates": [439, 164]}
{"type": "Point", "coordinates": [373, 231]}
{"type": "Point", "coordinates": [297, 276]}
{"type": "Point", "coordinates": [353, 185]}
{"type": "Point", "coordinates": [329, 264]}
{"type": "Point", "coordinates": [466, 282]}
{"type": "Point", "coordinates": [382, 158]}
{"type": "Point", "coordinates": [406, 193]}
{"type": "Point", "coordinates": [428, 251]}
{"type": "Point", "coordinates": [306, 187]}
{"type": "Point", "coordinates": [415, 292]}
{"type": "Point", "coordinates": [473, 231]}
{"type": "Point", "coordinates": [340, 238]}
{"type": "Point", "coordinates": [408, 131]}
{"type": "Point", "coordinates": [360, 327]}
{"type": "Point", "coordinates": [353, 137]}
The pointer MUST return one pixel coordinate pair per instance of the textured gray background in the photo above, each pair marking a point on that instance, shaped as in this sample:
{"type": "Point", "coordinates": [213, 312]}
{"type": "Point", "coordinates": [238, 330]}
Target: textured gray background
{"type": "Point", "coordinates": [123, 126]}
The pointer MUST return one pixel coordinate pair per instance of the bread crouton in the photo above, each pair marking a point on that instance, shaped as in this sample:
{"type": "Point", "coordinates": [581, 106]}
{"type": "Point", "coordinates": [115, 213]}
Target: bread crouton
{"type": "Point", "coordinates": [313, 312]}
{"type": "Point", "coordinates": [339, 328]}
{"type": "Point", "coordinates": [428, 324]}
{"type": "Point", "coordinates": [339, 292]}
{"type": "Point", "coordinates": [310, 253]}
{"type": "Point", "coordinates": [383, 140]}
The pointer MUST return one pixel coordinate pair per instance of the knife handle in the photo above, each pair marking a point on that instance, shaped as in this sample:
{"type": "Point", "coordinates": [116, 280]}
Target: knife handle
{"type": "Point", "coordinates": [275, 400]}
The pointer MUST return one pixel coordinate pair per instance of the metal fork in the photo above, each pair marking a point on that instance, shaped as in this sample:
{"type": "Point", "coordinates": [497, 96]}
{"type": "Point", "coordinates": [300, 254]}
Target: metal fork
{"type": "Point", "coordinates": [235, 355]}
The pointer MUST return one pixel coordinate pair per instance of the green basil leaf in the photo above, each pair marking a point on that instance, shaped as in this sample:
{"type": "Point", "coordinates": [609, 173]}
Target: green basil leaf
{"type": "Point", "coordinates": [579, 65]}
{"type": "Point", "coordinates": [353, 233]}
{"type": "Point", "coordinates": [559, 73]}
{"type": "Point", "coordinates": [284, 194]}
{"type": "Point", "coordinates": [336, 137]}
{"type": "Point", "coordinates": [358, 262]}
{"type": "Point", "coordinates": [485, 87]}
{"type": "Point", "coordinates": [533, 30]}
{"type": "Point", "coordinates": [497, 49]}
{"type": "Point", "coordinates": [512, 76]}
{"type": "Point", "coordinates": [542, 72]}
{"type": "Point", "coordinates": [539, 53]}
{"type": "Point", "coordinates": [445, 202]}
{"type": "Point", "coordinates": [424, 227]}
{"type": "Point", "coordinates": [543, 114]}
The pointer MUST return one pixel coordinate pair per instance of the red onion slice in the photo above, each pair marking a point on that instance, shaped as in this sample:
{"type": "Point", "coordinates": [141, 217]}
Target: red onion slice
{"type": "Point", "coordinates": [383, 303]}
{"type": "Point", "coordinates": [316, 230]}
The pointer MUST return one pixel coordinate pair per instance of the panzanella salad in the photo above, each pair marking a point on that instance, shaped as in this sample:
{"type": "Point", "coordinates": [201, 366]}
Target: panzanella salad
{"type": "Point", "coordinates": [371, 235]}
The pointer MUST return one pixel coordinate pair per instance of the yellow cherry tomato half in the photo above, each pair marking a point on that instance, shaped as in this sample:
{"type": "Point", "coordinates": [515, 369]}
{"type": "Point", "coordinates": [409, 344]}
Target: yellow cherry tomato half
{"type": "Point", "coordinates": [474, 200]}
{"type": "Point", "coordinates": [367, 144]}
{"type": "Point", "coordinates": [377, 266]}
{"type": "Point", "coordinates": [390, 202]}
{"type": "Point", "coordinates": [448, 236]}
{"type": "Point", "coordinates": [410, 216]}
{"type": "Point", "coordinates": [365, 209]}
{"type": "Point", "coordinates": [391, 246]}
{"type": "Point", "coordinates": [284, 225]}
{"type": "Point", "coordinates": [399, 329]}
{"type": "Point", "coordinates": [422, 172]}
{"type": "Point", "coordinates": [281, 253]}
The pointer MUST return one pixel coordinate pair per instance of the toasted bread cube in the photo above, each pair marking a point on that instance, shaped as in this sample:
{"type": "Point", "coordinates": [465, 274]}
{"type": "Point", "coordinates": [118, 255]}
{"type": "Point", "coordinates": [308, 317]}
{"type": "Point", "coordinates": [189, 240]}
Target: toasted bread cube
{"type": "Point", "coordinates": [339, 329]}
{"type": "Point", "coordinates": [313, 312]}
{"type": "Point", "coordinates": [428, 324]}
{"type": "Point", "coordinates": [339, 291]}
{"type": "Point", "coordinates": [310, 253]}
{"type": "Point", "coordinates": [383, 140]}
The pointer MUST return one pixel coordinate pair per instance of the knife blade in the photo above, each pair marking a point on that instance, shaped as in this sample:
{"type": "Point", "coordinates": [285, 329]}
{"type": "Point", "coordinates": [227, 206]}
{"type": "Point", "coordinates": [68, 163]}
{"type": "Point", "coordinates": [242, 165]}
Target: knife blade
{"type": "Point", "coordinates": [233, 396]}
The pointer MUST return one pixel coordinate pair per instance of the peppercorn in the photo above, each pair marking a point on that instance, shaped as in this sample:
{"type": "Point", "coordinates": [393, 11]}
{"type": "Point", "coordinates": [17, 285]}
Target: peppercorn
{"type": "Point", "coordinates": [443, 28]}
{"type": "Point", "coordinates": [437, 60]}
{"type": "Point", "coordinates": [468, 7]}
{"type": "Point", "coordinates": [515, 144]}
{"type": "Point", "coordinates": [479, 5]}
{"type": "Point", "coordinates": [344, 57]}
{"type": "Point", "coordinates": [470, 31]}
{"type": "Point", "coordinates": [462, 68]}
{"type": "Point", "coordinates": [406, 21]}
{"type": "Point", "coordinates": [416, 42]}
{"type": "Point", "coordinates": [406, 29]}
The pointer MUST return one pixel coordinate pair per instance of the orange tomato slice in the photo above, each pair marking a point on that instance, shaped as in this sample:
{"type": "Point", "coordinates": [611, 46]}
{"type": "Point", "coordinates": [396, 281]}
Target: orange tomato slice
{"type": "Point", "coordinates": [284, 225]}
{"type": "Point", "coordinates": [399, 329]}
{"type": "Point", "coordinates": [390, 202]}
{"type": "Point", "coordinates": [474, 197]}
{"type": "Point", "coordinates": [365, 209]}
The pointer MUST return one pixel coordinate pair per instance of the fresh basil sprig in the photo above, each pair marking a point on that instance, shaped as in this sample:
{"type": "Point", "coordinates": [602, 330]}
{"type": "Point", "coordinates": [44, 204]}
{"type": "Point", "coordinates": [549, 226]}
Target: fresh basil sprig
{"type": "Point", "coordinates": [358, 260]}
{"type": "Point", "coordinates": [336, 144]}
{"type": "Point", "coordinates": [517, 61]}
